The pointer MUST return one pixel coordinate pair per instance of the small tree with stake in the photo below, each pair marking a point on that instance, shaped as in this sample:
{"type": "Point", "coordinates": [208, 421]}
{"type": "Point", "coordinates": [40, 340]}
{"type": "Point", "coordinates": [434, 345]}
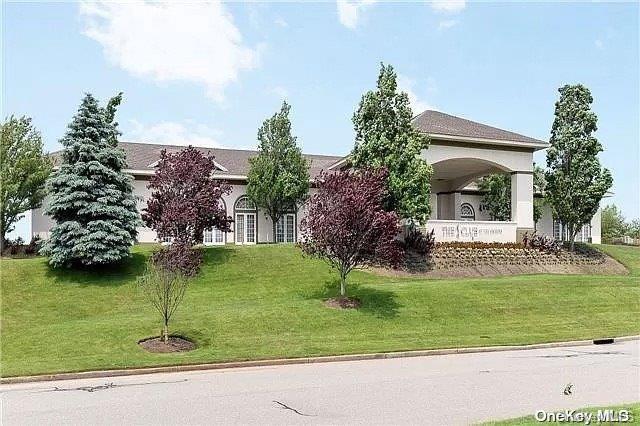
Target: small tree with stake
{"type": "Point", "coordinates": [166, 279]}
{"type": "Point", "coordinates": [347, 225]}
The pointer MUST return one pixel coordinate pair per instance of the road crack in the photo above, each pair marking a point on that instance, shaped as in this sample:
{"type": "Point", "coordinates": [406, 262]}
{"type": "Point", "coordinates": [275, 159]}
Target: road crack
{"type": "Point", "coordinates": [286, 407]}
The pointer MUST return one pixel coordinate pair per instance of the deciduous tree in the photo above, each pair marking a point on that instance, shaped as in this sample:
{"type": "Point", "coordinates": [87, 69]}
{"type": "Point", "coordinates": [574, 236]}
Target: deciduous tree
{"type": "Point", "coordinates": [92, 200]}
{"type": "Point", "coordinates": [24, 169]}
{"type": "Point", "coordinates": [278, 179]}
{"type": "Point", "coordinates": [576, 182]}
{"type": "Point", "coordinates": [496, 196]}
{"type": "Point", "coordinates": [185, 197]}
{"type": "Point", "coordinates": [347, 225]}
{"type": "Point", "coordinates": [613, 222]}
{"type": "Point", "coordinates": [386, 138]}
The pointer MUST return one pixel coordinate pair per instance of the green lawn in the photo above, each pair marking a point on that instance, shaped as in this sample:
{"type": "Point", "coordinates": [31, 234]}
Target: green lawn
{"type": "Point", "coordinates": [266, 302]}
{"type": "Point", "coordinates": [530, 420]}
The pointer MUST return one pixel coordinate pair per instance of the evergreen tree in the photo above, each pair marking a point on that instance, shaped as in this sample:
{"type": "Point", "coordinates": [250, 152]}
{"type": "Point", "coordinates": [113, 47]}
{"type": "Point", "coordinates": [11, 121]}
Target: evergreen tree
{"type": "Point", "coordinates": [92, 200]}
{"type": "Point", "coordinates": [278, 179]}
{"type": "Point", "coordinates": [385, 137]}
{"type": "Point", "coordinates": [576, 182]}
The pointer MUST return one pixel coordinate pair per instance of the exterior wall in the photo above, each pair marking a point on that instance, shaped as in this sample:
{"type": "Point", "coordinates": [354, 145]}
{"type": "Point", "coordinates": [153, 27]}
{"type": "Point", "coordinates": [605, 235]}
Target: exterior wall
{"type": "Point", "coordinates": [41, 223]}
{"type": "Point", "coordinates": [475, 200]}
{"type": "Point", "coordinates": [263, 223]}
{"type": "Point", "coordinates": [596, 227]}
{"type": "Point", "coordinates": [544, 226]}
{"type": "Point", "coordinates": [508, 159]}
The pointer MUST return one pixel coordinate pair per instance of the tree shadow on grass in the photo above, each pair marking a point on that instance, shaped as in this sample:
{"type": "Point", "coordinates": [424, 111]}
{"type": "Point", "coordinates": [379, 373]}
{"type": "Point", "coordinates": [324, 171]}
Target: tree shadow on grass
{"type": "Point", "coordinates": [216, 256]}
{"type": "Point", "coordinates": [101, 275]}
{"type": "Point", "coordinates": [380, 303]}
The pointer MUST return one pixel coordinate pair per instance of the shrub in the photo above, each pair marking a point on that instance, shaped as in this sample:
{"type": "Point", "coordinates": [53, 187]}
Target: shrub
{"type": "Point", "coordinates": [18, 247]}
{"type": "Point", "coordinates": [419, 242]}
{"type": "Point", "coordinates": [540, 242]}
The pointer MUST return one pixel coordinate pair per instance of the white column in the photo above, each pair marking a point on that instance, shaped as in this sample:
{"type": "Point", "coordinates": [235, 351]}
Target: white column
{"type": "Point", "coordinates": [522, 200]}
{"type": "Point", "coordinates": [457, 201]}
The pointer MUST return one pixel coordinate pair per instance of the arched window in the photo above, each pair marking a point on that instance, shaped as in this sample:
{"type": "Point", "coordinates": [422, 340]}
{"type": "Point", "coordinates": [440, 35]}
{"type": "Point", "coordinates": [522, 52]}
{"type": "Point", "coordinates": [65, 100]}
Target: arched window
{"type": "Point", "coordinates": [245, 220]}
{"type": "Point", "coordinates": [467, 212]}
{"type": "Point", "coordinates": [245, 203]}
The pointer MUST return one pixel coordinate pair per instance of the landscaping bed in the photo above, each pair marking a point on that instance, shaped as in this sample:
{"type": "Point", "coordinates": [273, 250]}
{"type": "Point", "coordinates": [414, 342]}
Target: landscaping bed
{"type": "Point", "coordinates": [450, 260]}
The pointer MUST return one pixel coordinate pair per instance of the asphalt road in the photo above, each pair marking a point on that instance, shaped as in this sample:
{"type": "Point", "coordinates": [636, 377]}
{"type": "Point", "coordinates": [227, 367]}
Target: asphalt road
{"type": "Point", "coordinates": [447, 389]}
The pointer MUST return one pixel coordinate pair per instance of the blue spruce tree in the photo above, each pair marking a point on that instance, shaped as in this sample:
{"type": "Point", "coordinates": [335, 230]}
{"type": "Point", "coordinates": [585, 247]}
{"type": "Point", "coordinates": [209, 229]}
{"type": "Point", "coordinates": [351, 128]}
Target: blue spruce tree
{"type": "Point", "coordinates": [91, 199]}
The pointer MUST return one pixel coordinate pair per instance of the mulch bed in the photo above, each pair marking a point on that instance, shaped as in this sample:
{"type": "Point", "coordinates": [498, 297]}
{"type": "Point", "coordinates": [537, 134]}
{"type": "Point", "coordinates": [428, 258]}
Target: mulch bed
{"type": "Point", "coordinates": [343, 303]}
{"type": "Point", "coordinates": [175, 344]}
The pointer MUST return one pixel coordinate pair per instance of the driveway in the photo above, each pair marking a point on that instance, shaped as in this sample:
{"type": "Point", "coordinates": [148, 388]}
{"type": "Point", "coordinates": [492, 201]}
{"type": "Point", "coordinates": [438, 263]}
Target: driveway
{"type": "Point", "coordinates": [446, 389]}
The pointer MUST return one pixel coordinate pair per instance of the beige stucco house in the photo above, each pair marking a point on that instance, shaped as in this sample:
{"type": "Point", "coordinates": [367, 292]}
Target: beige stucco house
{"type": "Point", "coordinates": [461, 151]}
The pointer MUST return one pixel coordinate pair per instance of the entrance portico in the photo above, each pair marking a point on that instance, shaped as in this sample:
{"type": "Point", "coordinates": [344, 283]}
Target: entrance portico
{"type": "Point", "coordinates": [456, 205]}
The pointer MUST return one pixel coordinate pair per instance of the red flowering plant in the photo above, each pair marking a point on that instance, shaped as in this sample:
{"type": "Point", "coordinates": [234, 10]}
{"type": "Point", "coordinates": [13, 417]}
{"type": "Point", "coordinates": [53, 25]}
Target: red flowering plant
{"type": "Point", "coordinates": [185, 197]}
{"type": "Point", "coordinates": [346, 224]}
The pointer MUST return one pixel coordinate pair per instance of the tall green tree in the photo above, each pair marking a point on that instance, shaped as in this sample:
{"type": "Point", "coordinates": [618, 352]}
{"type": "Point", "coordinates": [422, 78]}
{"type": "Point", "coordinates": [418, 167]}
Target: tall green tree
{"type": "Point", "coordinates": [576, 182]}
{"type": "Point", "coordinates": [497, 194]}
{"type": "Point", "coordinates": [92, 200]}
{"type": "Point", "coordinates": [278, 179]}
{"type": "Point", "coordinates": [24, 168]}
{"type": "Point", "coordinates": [496, 189]}
{"type": "Point", "coordinates": [613, 222]}
{"type": "Point", "coordinates": [386, 138]}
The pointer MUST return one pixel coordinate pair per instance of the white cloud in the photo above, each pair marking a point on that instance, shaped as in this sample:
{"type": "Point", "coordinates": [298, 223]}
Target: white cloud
{"type": "Point", "coordinates": [279, 92]}
{"type": "Point", "coordinates": [349, 11]}
{"type": "Point", "coordinates": [599, 44]}
{"type": "Point", "coordinates": [405, 84]}
{"type": "Point", "coordinates": [448, 6]}
{"type": "Point", "coordinates": [281, 22]}
{"type": "Point", "coordinates": [173, 133]}
{"type": "Point", "coordinates": [171, 41]}
{"type": "Point", "coordinates": [445, 25]}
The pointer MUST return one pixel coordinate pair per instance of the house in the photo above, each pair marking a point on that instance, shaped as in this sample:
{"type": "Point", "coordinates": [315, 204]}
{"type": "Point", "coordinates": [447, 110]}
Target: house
{"type": "Point", "coordinates": [461, 151]}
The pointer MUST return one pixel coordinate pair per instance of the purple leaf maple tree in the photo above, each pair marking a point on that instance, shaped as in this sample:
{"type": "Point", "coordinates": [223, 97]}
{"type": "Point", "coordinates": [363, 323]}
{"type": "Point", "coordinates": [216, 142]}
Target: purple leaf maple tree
{"type": "Point", "coordinates": [185, 198]}
{"type": "Point", "coordinates": [346, 223]}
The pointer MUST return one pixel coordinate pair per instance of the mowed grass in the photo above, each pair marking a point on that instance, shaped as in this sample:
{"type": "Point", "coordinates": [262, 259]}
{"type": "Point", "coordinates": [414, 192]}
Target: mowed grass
{"type": "Point", "coordinates": [632, 409]}
{"type": "Point", "coordinates": [267, 302]}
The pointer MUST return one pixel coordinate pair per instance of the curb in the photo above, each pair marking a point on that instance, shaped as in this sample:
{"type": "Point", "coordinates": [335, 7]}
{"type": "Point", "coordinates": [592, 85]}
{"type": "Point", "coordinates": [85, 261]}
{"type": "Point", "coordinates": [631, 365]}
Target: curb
{"type": "Point", "coordinates": [290, 361]}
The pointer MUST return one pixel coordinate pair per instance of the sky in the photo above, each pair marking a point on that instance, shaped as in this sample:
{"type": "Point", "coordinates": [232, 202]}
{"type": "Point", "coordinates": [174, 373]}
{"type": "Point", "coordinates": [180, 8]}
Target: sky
{"type": "Point", "coordinates": [208, 74]}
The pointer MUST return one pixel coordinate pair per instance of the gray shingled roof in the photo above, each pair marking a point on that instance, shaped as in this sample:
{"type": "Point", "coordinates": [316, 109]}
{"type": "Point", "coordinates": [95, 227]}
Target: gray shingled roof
{"type": "Point", "coordinates": [142, 156]}
{"type": "Point", "coordinates": [435, 122]}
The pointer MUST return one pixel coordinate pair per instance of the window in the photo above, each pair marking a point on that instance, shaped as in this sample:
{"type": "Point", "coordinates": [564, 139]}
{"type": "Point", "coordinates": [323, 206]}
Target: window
{"type": "Point", "coordinates": [245, 203]}
{"type": "Point", "coordinates": [285, 228]}
{"type": "Point", "coordinates": [467, 212]}
{"type": "Point", "coordinates": [214, 236]}
{"type": "Point", "coordinates": [557, 230]}
{"type": "Point", "coordinates": [245, 221]}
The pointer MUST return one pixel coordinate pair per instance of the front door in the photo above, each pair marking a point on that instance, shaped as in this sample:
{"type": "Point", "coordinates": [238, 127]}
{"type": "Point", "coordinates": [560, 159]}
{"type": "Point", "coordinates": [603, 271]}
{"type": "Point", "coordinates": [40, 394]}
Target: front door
{"type": "Point", "coordinates": [245, 228]}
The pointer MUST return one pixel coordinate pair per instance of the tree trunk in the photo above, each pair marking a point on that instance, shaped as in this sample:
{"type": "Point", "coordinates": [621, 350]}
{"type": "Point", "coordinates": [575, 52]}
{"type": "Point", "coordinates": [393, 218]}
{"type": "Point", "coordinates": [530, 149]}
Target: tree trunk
{"type": "Point", "coordinates": [343, 284]}
{"type": "Point", "coordinates": [165, 332]}
{"type": "Point", "coordinates": [572, 238]}
{"type": "Point", "coordinates": [2, 242]}
{"type": "Point", "coordinates": [274, 221]}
